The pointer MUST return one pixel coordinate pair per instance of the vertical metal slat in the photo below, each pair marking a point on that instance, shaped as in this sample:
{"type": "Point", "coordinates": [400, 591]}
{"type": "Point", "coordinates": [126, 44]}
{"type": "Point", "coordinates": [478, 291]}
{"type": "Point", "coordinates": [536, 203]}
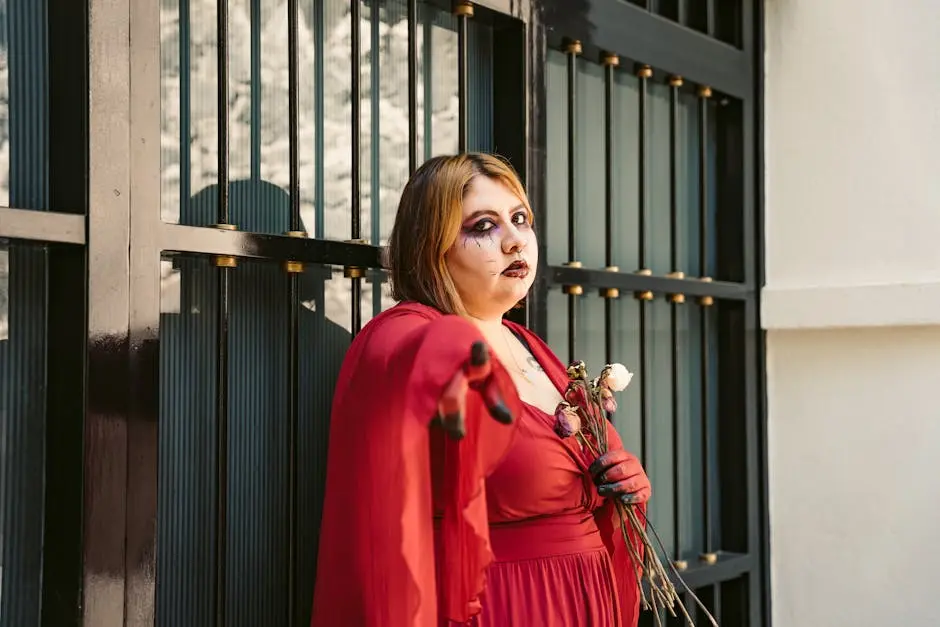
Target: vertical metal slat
{"type": "Point", "coordinates": [255, 91]}
{"type": "Point", "coordinates": [464, 11]}
{"type": "Point", "coordinates": [293, 270]}
{"type": "Point", "coordinates": [355, 274]}
{"type": "Point", "coordinates": [610, 61]}
{"type": "Point", "coordinates": [705, 302]}
{"type": "Point", "coordinates": [427, 64]}
{"type": "Point", "coordinates": [413, 86]}
{"type": "Point", "coordinates": [319, 113]}
{"type": "Point", "coordinates": [375, 205]}
{"type": "Point", "coordinates": [710, 24]}
{"type": "Point", "coordinates": [644, 73]}
{"type": "Point", "coordinates": [572, 50]}
{"type": "Point", "coordinates": [675, 82]}
{"type": "Point", "coordinates": [224, 265]}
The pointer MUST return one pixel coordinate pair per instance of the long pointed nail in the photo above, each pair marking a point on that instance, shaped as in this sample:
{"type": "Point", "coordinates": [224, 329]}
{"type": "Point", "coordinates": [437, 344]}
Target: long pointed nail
{"type": "Point", "coordinates": [479, 354]}
{"type": "Point", "coordinates": [454, 425]}
{"type": "Point", "coordinates": [500, 412]}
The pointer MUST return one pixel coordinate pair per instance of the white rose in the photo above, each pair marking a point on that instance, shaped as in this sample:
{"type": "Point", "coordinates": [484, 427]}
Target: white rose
{"type": "Point", "coordinates": [618, 377]}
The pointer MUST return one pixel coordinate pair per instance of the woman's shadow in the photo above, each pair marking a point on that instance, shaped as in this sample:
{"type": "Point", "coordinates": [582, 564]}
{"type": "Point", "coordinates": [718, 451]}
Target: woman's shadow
{"type": "Point", "coordinates": [259, 392]}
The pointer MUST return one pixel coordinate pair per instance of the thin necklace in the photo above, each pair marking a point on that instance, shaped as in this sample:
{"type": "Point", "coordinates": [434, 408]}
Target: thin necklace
{"type": "Point", "coordinates": [524, 372]}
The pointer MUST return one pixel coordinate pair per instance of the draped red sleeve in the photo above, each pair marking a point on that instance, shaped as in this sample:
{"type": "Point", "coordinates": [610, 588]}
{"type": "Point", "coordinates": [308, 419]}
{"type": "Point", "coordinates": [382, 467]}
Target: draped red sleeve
{"type": "Point", "coordinates": [376, 561]}
{"type": "Point", "coordinates": [608, 523]}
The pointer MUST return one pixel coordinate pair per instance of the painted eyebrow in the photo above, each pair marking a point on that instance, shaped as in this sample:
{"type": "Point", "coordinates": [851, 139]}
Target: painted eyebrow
{"type": "Point", "coordinates": [490, 212]}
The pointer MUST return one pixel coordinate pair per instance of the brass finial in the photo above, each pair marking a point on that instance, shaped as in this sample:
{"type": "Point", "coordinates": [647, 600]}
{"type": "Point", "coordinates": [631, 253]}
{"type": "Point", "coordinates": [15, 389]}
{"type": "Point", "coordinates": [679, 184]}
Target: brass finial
{"type": "Point", "coordinates": [463, 8]}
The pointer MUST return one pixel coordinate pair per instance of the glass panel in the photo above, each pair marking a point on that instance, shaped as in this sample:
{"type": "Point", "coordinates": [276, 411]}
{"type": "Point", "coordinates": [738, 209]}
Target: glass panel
{"type": "Point", "coordinates": [689, 463]}
{"type": "Point", "coordinates": [589, 165]}
{"type": "Point", "coordinates": [661, 466]}
{"type": "Point", "coordinates": [657, 171]}
{"type": "Point", "coordinates": [555, 226]}
{"type": "Point", "coordinates": [258, 421]}
{"type": "Point", "coordinates": [557, 337]}
{"type": "Point", "coordinates": [258, 102]}
{"type": "Point", "coordinates": [687, 173]}
{"type": "Point", "coordinates": [24, 95]}
{"type": "Point", "coordinates": [22, 431]}
{"type": "Point", "coordinates": [625, 219]}
{"type": "Point", "coordinates": [625, 326]}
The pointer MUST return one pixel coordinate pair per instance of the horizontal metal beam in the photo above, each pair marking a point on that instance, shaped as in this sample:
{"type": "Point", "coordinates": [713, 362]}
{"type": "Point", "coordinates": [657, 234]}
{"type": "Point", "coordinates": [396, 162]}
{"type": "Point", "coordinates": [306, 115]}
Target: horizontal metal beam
{"type": "Point", "coordinates": [630, 282]}
{"type": "Point", "coordinates": [637, 34]}
{"type": "Point", "coordinates": [42, 226]}
{"type": "Point", "coordinates": [213, 241]}
{"type": "Point", "coordinates": [729, 566]}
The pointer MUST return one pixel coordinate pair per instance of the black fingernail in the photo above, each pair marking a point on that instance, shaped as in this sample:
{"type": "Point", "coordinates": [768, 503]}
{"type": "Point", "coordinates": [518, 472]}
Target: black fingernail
{"type": "Point", "coordinates": [479, 355]}
{"type": "Point", "coordinates": [500, 412]}
{"type": "Point", "coordinates": [605, 489]}
{"type": "Point", "coordinates": [629, 499]}
{"type": "Point", "coordinates": [454, 425]}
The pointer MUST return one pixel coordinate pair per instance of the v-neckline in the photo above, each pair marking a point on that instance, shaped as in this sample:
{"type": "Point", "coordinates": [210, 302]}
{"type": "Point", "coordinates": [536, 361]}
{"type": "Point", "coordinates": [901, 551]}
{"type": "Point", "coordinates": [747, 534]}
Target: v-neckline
{"type": "Point", "coordinates": [549, 372]}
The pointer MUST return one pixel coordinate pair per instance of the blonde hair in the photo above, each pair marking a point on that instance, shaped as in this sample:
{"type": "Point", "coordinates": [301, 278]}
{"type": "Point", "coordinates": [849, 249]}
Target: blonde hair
{"type": "Point", "coordinates": [428, 221]}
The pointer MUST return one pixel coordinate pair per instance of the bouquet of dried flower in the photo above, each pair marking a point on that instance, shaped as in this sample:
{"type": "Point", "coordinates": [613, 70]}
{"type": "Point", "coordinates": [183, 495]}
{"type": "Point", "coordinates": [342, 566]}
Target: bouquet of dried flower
{"type": "Point", "coordinates": [582, 415]}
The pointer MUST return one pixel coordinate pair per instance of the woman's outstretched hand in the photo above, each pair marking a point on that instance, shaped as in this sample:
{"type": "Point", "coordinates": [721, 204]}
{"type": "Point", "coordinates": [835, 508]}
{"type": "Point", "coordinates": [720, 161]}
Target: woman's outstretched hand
{"type": "Point", "coordinates": [619, 474]}
{"type": "Point", "coordinates": [477, 374]}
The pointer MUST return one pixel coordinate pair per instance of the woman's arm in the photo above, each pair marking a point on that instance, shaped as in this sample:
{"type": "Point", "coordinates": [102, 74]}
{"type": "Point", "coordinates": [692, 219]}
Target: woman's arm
{"type": "Point", "coordinates": [376, 562]}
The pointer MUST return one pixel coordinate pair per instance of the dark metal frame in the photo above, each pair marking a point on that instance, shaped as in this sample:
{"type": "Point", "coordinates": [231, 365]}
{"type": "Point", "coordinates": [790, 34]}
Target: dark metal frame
{"type": "Point", "coordinates": [732, 75]}
{"type": "Point", "coordinates": [103, 390]}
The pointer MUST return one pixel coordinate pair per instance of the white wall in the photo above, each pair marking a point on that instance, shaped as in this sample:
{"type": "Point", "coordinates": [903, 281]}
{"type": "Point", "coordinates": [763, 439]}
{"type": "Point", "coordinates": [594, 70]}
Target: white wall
{"type": "Point", "coordinates": [852, 308]}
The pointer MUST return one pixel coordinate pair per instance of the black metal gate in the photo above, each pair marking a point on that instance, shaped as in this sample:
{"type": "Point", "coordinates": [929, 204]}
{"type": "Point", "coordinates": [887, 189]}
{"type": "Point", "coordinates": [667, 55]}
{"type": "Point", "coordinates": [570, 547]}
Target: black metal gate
{"type": "Point", "coordinates": [226, 246]}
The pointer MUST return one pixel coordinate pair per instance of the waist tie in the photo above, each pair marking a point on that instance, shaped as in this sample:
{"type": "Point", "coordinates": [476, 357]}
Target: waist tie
{"type": "Point", "coordinates": [548, 536]}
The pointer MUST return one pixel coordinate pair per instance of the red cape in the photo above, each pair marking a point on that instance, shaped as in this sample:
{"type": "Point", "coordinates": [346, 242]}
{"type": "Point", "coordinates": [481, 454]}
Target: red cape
{"type": "Point", "coordinates": [376, 561]}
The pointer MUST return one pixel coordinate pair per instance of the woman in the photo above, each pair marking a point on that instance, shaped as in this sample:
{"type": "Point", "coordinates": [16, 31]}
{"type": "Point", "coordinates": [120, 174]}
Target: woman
{"type": "Point", "coordinates": [478, 522]}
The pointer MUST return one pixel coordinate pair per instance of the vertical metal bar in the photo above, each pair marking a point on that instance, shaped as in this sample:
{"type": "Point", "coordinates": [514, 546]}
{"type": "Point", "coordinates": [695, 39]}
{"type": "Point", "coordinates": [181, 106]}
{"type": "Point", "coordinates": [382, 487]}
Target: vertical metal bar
{"type": "Point", "coordinates": [293, 114]}
{"type": "Point", "coordinates": [676, 299]}
{"type": "Point", "coordinates": [705, 303]}
{"type": "Point", "coordinates": [224, 265]}
{"type": "Point", "coordinates": [355, 97]}
{"type": "Point", "coordinates": [375, 142]}
{"type": "Point", "coordinates": [222, 108]}
{"type": "Point", "coordinates": [413, 86]}
{"type": "Point", "coordinates": [255, 90]}
{"type": "Point", "coordinates": [319, 113]}
{"type": "Point", "coordinates": [464, 11]}
{"type": "Point", "coordinates": [572, 50]}
{"type": "Point", "coordinates": [716, 603]}
{"type": "Point", "coordinates": [221, 447]}
{"type": "Point", "coordinates": [610, 61]}
{"type": "Point", "coordinates": [355, 274]}
{"type": "Point", "coordinates": [185, 105]}
{"type": "Point", "coordinates": [428, 71]}
{"type": "Point", "coordinates": [644, 73]}
{"type": "Point", "coordinates": [293, 304]}
{"type": "Point", "coordinates": [710, 25]}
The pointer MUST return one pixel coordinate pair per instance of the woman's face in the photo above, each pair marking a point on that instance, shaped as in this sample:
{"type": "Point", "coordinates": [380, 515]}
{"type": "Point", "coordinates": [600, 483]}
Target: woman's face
{"type": "Point", "coordinates": [494, 259]}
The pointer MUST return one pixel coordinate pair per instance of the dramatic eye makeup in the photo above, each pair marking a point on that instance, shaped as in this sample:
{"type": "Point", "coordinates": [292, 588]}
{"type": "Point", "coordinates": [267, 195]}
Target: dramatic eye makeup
{"type": "Point", "coordinates": [477, 226]}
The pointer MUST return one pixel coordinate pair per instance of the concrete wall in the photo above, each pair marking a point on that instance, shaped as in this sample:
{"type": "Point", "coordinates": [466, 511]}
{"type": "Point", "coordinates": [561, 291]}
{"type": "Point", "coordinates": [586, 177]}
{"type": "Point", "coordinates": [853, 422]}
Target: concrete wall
{"type": "Point", "coordinates": [852, 308]}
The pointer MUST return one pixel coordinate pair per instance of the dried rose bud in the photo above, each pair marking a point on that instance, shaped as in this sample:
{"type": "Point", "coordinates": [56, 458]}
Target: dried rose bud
{"type": "Point", "coordinates": [615, 377]}
{"type": "Point", "coordinates": [577, 371]}
{"type": "Point", "coordinates": [576, 395]}
{"type": "Point", "coordinates": [567, 421]}
{"type": "Point", "coordinates": [608, 402]}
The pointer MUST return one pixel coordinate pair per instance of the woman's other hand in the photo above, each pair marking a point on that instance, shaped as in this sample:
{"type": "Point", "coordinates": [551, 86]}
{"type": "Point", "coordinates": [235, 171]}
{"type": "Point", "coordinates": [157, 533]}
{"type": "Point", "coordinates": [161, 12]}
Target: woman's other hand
{"type": "Point", "coordinates": [477, 374]}
{"type": "Point", "coordinates": [619, 474]}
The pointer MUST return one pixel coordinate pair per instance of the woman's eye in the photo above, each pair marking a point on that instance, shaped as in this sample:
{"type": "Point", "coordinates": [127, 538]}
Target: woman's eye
{"type": "Point", "coordinates": [483, 226]}
{"type": "Point", "coordinates": [520, 218]}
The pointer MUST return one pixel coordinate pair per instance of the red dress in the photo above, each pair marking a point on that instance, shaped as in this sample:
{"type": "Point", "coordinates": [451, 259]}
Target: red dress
{"type": "Point", "coordinates": [501, 529]}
